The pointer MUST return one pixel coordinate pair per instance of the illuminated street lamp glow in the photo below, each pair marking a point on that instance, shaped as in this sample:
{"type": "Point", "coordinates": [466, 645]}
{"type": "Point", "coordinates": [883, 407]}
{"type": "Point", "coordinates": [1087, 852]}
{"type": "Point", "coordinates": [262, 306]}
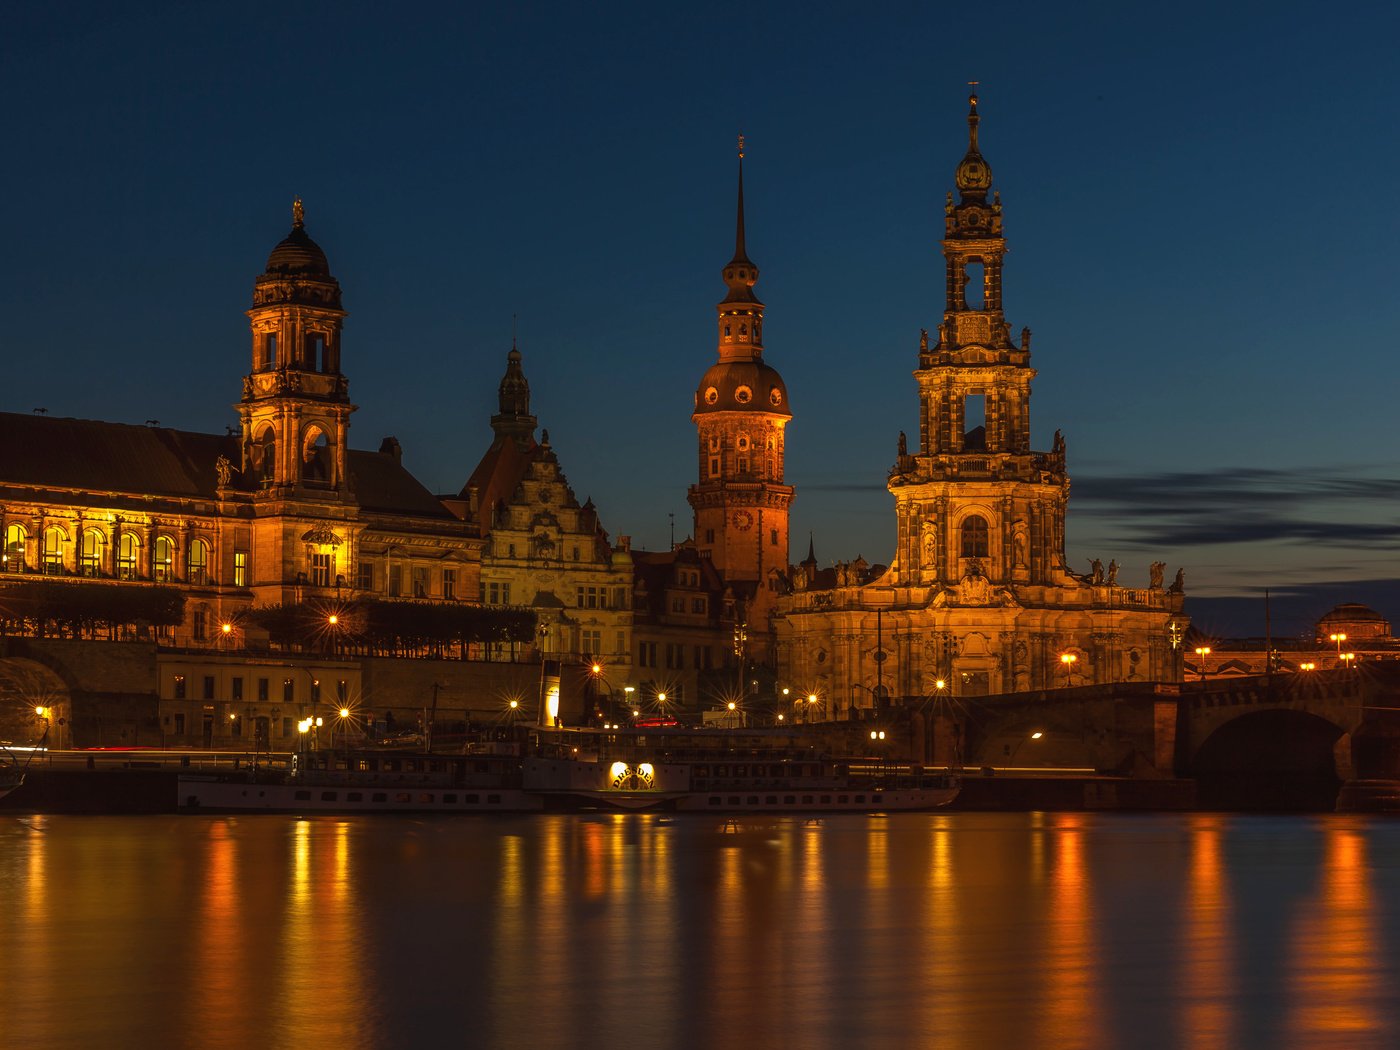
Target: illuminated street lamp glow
{"type": "Point", "coordinates": [333, 619]}
{"type": "Point", "coordinates": [1037, 735]}
{"type": "Point", "coordinates": [1307, 666]}
{"type": "Point", "coordinates": [226, 627]}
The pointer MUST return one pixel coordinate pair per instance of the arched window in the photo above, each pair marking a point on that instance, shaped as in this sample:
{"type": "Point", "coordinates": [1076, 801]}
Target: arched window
{"type": "Point", "coordinates": [315, 458]}
{"type": "Point", "coordinates": [54, 539]}
{"type": "Point", "coordinates": [266, 464]}
{"type": "Point", "coordinates": [128, 555]}
{"type": "Point", "coordinates": [163, 567]}
{"type": "Point", "coordinates": [976, 541]}
{"type": "Point", "coordinates": [94, 544]}
{"type": "Point", "coordinates": [15, 537]}
{"type": "Point", "coordinates": [199, 563]}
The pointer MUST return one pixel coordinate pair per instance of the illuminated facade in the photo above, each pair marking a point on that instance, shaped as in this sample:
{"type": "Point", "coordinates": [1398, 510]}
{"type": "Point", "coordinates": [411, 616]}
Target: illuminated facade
{"type": "Point", "coordinates": [978, 593]}
{"type": "Point", "coordinates": [543, 551]}
{"type": "Point", "coordinates": [281, 512]}
{"type": "Point", "coordinates": [740, 500]}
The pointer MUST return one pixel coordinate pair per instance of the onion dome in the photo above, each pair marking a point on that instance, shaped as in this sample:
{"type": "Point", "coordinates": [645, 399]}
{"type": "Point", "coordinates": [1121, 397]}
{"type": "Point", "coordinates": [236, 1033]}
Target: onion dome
{"type": "Point", "coordinates": [297, 253]}
{"type": "Point", "coordinates": [974, 177]}
{"type": "Point", "coordinates": [742, 386]}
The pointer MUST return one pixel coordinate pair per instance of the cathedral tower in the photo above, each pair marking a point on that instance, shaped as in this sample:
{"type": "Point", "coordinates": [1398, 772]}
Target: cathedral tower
{"type": "Point", "coordinates": [740, 501]}
{"type": "Point", "coordinates": [974, 501]}
{"type": "Point", "coordinates": [296, 406]}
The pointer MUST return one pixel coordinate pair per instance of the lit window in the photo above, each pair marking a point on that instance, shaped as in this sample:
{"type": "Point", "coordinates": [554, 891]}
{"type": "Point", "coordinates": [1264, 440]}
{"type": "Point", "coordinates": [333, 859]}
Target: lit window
{"type": "Point", "coordinates": [179, 687]}
{"type": "Point", "coordinates": [163, 567]}
{"type": "Point", "coordinates": [199, 563]}
{"type": "Point", "coordinates": [93, 542]}
{"type": "Point", "coordinates": [127, 555]}
{"type": "Point", "coordinates": [15, 537]}
{"type": "Point", "coordinates": [321, 569]}
{"type": "Point", "coordinates": [975, 537]}
{"type": "Point", "coordinates": [240, 568]}
{"type": "Point", "coordinates": [54, 538]}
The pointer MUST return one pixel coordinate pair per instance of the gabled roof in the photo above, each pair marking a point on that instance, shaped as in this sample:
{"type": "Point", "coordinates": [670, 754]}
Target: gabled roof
{"type": "Point", "coordinates": [497, 476]}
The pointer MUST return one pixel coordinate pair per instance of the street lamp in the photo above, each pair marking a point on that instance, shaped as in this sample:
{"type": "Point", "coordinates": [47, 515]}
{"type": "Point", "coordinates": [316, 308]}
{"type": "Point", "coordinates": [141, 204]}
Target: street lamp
{"type": "Point", "coordinates": [811, 700]}
{"type": "Point", "coordinates": [1069, 660]}
{"type": "Point", "coordinates": [733, 718]}
{"type": "Point", "coordinates": [1338, 639]}
{"type": "Point", "coordinates": [514, 707]}
{"type": "Point", "coordinates": [1307, 666]}
{"type": "Point", "coordinates": [1346, 659]}
{"type": "Point", "coordinates": [1202, 652]}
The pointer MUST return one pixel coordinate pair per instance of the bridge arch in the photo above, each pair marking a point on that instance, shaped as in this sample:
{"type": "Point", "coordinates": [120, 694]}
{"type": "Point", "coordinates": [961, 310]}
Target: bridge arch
{"type": "Point", "coordinates": [1273, 759]}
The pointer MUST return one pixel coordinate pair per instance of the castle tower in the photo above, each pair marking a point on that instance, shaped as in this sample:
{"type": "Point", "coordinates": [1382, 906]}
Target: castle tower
{"type": "Point", "coordinates": [296, 407]}
{"type": "Point", "coordinates": [740, 501]}
{"type": "Point", "coordinates": [514, 420]}
{"type": "Point", "coordinates": [974, 500]}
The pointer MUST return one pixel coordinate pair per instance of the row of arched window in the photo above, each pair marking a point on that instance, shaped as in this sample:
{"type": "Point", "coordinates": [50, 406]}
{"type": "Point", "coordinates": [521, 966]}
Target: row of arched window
{"type": "Point", "coordinates": [90, 556]}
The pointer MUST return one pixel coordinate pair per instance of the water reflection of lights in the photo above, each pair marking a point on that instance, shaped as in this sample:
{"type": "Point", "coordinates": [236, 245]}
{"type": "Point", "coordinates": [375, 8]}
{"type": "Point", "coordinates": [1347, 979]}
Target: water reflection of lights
{"type": "Point", "coordinates": [1335, 962]}
{"type": "Point", "coordinates": [1074, 1013]}
{"type": "Point", "coordinates": [1207, 949]}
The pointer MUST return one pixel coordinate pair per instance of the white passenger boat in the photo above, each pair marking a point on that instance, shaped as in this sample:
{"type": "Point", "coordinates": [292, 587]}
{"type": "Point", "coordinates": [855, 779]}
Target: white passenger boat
{"type": "Point", "coordinates": [773, 783]}
{"type": "Point", "coordinates": [370, 781]}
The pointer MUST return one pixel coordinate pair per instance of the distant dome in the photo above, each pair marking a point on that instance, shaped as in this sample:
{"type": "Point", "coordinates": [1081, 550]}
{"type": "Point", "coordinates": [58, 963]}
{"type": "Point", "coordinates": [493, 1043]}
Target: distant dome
{"type": "Point", "coordinates": [1355, 620]}
{"type": "Point", "coordinates": [742, 386]}
{"type": "Point", "coordinates": [298, 254]}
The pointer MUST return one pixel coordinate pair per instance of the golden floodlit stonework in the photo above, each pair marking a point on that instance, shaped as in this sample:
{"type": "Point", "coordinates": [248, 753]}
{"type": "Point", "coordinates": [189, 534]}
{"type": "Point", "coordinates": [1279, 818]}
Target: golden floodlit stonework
{"type": "Point", "coordinates": [978, 596]}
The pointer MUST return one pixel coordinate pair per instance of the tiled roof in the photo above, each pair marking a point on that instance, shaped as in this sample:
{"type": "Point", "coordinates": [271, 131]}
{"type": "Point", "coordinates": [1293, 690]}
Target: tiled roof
{"type": "Point", "coordinates": [97, 456]}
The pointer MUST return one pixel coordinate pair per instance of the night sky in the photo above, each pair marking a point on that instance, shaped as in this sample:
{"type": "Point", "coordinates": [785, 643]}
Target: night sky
{"type": "Point", "coordinates": [1200, 204]}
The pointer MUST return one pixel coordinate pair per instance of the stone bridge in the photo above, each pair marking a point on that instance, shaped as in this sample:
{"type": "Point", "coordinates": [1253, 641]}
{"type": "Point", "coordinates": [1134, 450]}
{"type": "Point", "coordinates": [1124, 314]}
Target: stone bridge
{"type": "Point", "coordinates": [1270, 736]}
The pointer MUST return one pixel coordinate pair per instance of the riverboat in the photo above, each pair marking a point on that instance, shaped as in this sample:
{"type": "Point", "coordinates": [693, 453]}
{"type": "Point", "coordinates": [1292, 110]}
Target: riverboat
{"type": "Point", "coordinates": [757, 782]}
{"type": "Point", "coordinates": [11, 777]}
{"type": "Point", "coordinates": [483, 779]}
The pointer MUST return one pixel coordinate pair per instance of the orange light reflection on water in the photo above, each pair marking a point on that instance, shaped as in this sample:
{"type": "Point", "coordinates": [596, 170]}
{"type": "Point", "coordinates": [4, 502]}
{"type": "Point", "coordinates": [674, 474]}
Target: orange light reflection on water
{"type": "Point", "coordinates": [1336, 965]}
{"type": "Point", "coordinates": [1074, 1015]}
{"type": "Point", "coordinates": [1207, 942]}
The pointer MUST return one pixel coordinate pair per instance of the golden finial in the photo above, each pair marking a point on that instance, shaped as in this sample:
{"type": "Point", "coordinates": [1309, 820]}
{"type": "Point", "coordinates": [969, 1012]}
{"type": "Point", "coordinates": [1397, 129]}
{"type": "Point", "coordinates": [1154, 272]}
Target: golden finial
{"type": "Point", "coordinates": [741, 145]}
{"type": "Point", "coordinates": [298, 216]}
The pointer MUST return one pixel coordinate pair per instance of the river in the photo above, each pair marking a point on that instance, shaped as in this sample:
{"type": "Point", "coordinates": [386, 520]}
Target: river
{"type": "Point", "coordinates": [914, 930]}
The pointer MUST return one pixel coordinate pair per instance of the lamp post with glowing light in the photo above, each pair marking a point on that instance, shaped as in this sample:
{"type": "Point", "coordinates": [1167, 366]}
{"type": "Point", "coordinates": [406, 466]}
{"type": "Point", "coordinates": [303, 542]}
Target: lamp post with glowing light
{"type": "Point", "coordinates": [811, 706]}
{"type": "Point", "coordinates": [1337, 640]}
{"type": "Point", "coordinates": [1068, 660]}
{"type": "Point", "coordinates": [46, 713]}
{"type": "Point", "coordinates": [732, 717]}
{"type": "Point", "coordinates": [1307, 665]}
{"type": "Point", "coordinates": [1202, 651]}
{"type": "Point", "coordinates": [1347, 659]}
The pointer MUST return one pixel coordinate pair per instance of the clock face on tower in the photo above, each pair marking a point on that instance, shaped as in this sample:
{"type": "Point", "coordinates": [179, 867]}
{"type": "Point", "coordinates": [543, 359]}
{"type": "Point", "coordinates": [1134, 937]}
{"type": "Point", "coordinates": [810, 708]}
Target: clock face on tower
{"type": "Point", "coordinates": [742, 519]}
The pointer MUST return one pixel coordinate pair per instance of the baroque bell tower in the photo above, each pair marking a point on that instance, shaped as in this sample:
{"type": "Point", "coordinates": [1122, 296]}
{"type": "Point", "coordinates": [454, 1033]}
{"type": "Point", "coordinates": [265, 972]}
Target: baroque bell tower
{"type": "Point", "coordinates": [974, 502]}
{"type": "Point", "coordinates": [741, 409]}
{"type": "Point", "coordinates": [296, 406]}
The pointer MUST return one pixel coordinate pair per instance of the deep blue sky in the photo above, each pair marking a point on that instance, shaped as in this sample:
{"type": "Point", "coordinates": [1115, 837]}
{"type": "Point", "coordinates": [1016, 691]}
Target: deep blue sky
{"type": "Point", "coordinates": [1200, 203]}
